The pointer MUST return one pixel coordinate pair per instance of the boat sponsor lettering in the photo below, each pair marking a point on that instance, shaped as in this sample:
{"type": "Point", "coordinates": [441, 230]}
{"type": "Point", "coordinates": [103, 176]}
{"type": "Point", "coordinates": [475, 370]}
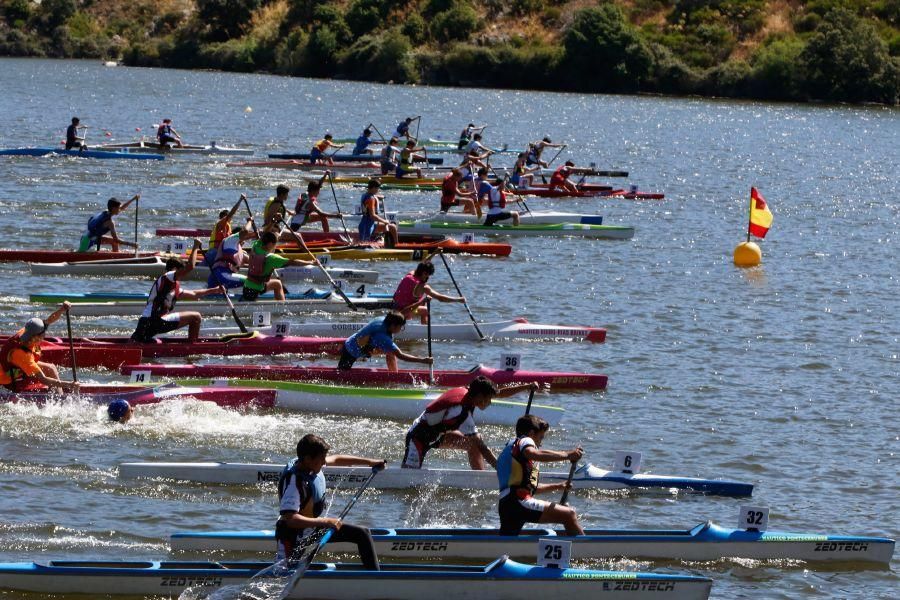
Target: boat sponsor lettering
{"type": "Point", "coordinates": [268, 476]}
{"type": "Point", "coordinates": [767, 537]}
{"type": "Point", "coordinates": [561, 380]}
{"type": "Point", "coordinates": [419, 546]}
{"type": "Point", "coordinates": [622, 582]}
{"type": "Point", "coordinates": [842, 547]}
{"type": "Point", "coordinates": [191, 581]}
{"type": "Point", "coordinates": [551, 332]}
{"type": "Point", "coordinates": [617, 576]}
{"type": "Point", "coordinates": [345, 477]}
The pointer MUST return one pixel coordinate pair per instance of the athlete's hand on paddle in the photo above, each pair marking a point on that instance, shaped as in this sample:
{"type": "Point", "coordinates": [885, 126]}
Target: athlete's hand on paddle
{"type": "Point", "coordinates": [198, 245]}
{"type": "Point", "coordinates": [378, 464]}
{"type": "Point", "coordinates": [330, 522]}
{"type": "Point", "coordinates": [576, 454]}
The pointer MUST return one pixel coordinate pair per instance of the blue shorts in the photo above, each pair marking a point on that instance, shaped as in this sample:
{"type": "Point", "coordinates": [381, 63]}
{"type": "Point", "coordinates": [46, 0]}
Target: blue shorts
{"type": "Point", "coordinates": [224, 276]}
{"type": "Point", "coordinates": [315, 154]}
{"type": "Point", "coordinates": [366, 230]}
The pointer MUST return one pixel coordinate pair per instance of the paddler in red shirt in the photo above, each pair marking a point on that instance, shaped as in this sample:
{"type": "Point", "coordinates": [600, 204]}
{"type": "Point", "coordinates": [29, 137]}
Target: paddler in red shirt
{"type": "Point", "coordinates": [413, 291]}
{"type": "Point", "coordinates": [452, 196]}
{"type": "Point", "coordinates": [20, 366]}
{"type": "Point", "coordinates": [560, 178]}
{"type": "Point", "coordinates": [447, 422]}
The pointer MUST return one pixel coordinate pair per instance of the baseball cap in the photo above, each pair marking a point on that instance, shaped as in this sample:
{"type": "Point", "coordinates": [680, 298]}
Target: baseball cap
{"type": "Point", "coordinates": [33, 327]}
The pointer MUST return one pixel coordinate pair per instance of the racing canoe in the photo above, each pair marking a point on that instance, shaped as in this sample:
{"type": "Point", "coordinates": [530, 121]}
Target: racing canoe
{"type": "Point", "coordinates": [146, 146]}
{"type": "Point", "coordinates": [154, 266]}
{"type": "Point", "coordinates": [256, 344]}
{"type": "Point", "coordinates": [514, 329]}
{"type": "Point", "coordinates": [366, 376]}
{"type": "Point", "coordinates": [535, 217]}
{"type": "Point", "coordinates": [397, 404]}
{"type": "Point", "coordinates": [300, 165]}
{"type": "Point", "coordinates": [332, 303]}
{"type": "Point", "coordinates": [79, 153]}
{"type": "Point", "coordinates": [347, 158]}
{"type": "Point", "coordinates": [586, 477]}
{"type": "Point", "coordinates": [138, 394]}
{"type": "Point", "coordinates": [55, 256]}
{"type": "Point", "coordinates": [81, 297]}
{"type": "Point", "coordinates": [555, 193]}
{"type": "Point", "coordinates": [88, 356]}
{"type": "Point", "coordinates": [703, 542]}
{"type": "Point", "coordinates": [501, 579]}
{"type": "Point", "coordinates": [615, 232]}
{"type": "Point", "coordinates": [317, 239]}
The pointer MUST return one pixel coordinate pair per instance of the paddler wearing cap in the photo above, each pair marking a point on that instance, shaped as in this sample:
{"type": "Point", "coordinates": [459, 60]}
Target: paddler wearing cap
{"type": "Point", "coordinates": [120, 411]}
{"type": "Point", "coordinates": [167, 135]}
{"type": "Point", "coordinates": [535, 149]}
{"type": "Point", "coordinates": [20, 366]}
{"type": "Point", "coordinates": [102, 223]}
{"type": "Point", "coordinates": [371, 223]}
{"type": "Point", "coordinates": [158, 316]}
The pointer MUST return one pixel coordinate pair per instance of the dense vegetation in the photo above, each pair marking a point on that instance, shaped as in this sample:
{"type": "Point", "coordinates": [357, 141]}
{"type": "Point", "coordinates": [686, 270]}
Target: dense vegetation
{"type": "Point", "coordinates": [833, 50]}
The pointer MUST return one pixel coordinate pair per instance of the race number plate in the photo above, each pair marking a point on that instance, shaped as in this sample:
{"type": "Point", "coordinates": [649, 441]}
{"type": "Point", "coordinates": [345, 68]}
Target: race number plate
{"type": "Point", "coordinates": [554, 554]}
{"type": "Point", "coordinates": [627, 462]}
{"type": "Point", "coordinates": [754, 518]}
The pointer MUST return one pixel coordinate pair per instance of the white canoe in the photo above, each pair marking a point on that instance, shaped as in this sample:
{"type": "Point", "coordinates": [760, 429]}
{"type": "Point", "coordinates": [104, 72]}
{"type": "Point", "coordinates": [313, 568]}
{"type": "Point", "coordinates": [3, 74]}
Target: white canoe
{"type": "Point", "coordinates": [145, 146]}
{"type": "Point", "coordinates": [512, 329]}
{"type": "Point", "coordinates": [503, 579]}
{"type": "Point", "coordinates": [703, 542]}
{"type": "Point", "coordinates": [154, 266]}
{"type": "Point", "coordinates": [333, 303]}
{"type": "Point", "coordinates": [613, 232]}
{"type": "Point", "coordinates": [586, 477]}
{"type": "Point", "coordinates": [388, 403]}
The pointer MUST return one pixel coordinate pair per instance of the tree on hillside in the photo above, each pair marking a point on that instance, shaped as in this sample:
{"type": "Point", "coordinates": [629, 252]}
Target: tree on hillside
{"type": "Point", "coordinates": [604, 52]}
{"type": "Point", "coordinates": [225, 19]}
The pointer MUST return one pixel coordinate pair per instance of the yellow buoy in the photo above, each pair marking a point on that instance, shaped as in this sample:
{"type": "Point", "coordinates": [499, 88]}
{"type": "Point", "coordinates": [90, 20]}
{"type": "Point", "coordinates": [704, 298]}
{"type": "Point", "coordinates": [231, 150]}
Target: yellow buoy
{"type": "Point", "coordinates": [248, 110]}
{"type": "Point", "coordinates": [747, 254]}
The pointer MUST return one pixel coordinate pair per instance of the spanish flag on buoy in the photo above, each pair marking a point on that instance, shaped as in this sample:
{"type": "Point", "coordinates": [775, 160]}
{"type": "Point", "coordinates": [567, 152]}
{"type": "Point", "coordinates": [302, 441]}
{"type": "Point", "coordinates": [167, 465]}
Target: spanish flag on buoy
{"type": "Point", "coordinates": [760, 215]}
{"type": "Point", "coordinates": [748, 254]}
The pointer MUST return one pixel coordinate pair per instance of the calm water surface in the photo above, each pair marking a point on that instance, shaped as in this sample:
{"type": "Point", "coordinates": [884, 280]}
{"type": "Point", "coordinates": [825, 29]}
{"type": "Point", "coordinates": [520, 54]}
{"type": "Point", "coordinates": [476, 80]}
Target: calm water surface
{"type": "Point", "coordinates": [785, 375]}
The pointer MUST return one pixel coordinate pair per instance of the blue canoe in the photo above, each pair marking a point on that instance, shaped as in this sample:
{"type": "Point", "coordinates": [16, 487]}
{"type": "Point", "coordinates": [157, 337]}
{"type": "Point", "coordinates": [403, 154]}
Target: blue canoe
{"type": "Point", "coordinates": [501, 579]}
{"type": "Point", "coordinates": [79, 154]}
{"type": "Point", "coordinates": [345, 157]}
{"type": "Point", "coordinates": [703, 542]}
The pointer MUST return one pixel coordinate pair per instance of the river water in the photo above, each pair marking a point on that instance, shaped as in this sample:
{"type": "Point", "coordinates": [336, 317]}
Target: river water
{"type": "Point", "coordinates": [785, 375]}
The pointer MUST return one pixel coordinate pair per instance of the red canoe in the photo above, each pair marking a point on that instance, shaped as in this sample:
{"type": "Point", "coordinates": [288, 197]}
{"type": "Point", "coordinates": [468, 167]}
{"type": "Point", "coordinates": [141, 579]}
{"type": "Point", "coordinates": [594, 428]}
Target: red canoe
{"type": "Point", "coordinates": [305, 165]}
{"type": "Point", "coordinates": [375, 377]}
{"type": "Point", "coordinates": [55, 256]}
{"type": "Point", "coordinates": [90, 356]}
{"type": "Point", "coordinates": [257, 344]}
{"type": "Point", "coordinates": [136, 394]}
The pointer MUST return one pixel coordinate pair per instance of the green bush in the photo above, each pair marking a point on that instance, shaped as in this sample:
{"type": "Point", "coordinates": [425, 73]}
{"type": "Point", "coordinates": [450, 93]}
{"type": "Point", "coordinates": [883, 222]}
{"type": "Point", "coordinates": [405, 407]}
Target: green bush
{"type": "Point", "coordinates": [330, 15]}
{"type": "Point", "coordinates": [731, 78]}
{"type": "Point", "coordinates": [364, 16]}
{"type": "Point", "coordinates": [525, 7]}
{"type": "Point", "coordinates": [233, 55]}
{"type": "Point", "coordinates": [82, 25]}
{"type": "Point", "coordinates": [15, 42]}
{"type": "Point", "coordinates": [775, 69]}
{"type": "Point", "coordinates": [387, 57]}
{"type": "Point", "coordinates": [604, 52]}
{"type": "Point", "coordinates": [289, 53]}
{"type": "Point", "coordinates": [51, 14]}
{"type": "Point", "coordinates": [320, 57]}
{"type": "Point", "coordinates": [669, 74]}
{"type": "Point", "coordinates": [458, 23]}
{"type": "Point", "coordinates": [224, 19]}
{"type": "Point", "coordinates": [846, 60]}
{"type": "Point", "coordinates": [415, 28]}
{"type": "Point", "coordinates": [15, 11]}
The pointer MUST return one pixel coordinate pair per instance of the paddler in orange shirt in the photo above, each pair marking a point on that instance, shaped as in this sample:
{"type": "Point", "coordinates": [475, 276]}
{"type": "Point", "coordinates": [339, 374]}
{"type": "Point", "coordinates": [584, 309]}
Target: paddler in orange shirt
{"type": "Point", "coordinates": [317, 154]}
{"type": "Point", "coordinates": [221, 230]}
{"type": "Point", "coordinates": [20, 366]}
{"type": "Point", "coordinates": [413, 291]}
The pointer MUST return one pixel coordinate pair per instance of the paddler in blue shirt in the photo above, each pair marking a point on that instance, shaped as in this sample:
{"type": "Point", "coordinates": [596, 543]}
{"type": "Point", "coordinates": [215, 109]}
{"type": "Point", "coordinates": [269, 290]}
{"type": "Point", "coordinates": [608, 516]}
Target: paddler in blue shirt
{"type": "Point", "coordinates": [301, 501]}
{"type": "Point", "coordinates": [73, 140]}
{"type": "Point", "coordinates": [363, 142]}
{"type": "Point", "coordinates": [102, 223]}
{"type": "Point", "coordinates": [403, 128]}
{"type": "Point", "coordinates": [378, 336]}
{"type": "Point", "coordinates": [466, 136]}
{"type": "Point", "coordinates": [518, 473]}
{"type": "Point", "coordinates": [371, 223]}
{"type": "Point", "coordinates": [166, 135]}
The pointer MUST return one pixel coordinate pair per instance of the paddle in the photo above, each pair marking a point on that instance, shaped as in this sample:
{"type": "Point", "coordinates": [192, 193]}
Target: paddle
{"type": "Point", "coordinates": [565, 497]}
{"type": "Point", "coordinates": [234, 314]}
{"type": "Point", "coordinates": [383, 139]}
{"type": "Point", "coordinates": [418, 121]}
{"type": "Point", "coordinates": [317, 540]}
{"type": "Point", "coordinates": [250, 213]}
{"type": "Point", "coordinates": [334, 284]}
{"type": "Point", "coordinates": [431, 366]}
{"type": "Point", "coordinates": [458, 291]}
{"type": "Point", "coordinates": [334, 194]}
{"type": "Point", "coordinates": [530, 399]}
{"type": "Point", "coordinates": [71, 346]}
{"type": "Point", "coordinates": [563, 147]}
{"type": "Point", "coordinates": [137, 209]}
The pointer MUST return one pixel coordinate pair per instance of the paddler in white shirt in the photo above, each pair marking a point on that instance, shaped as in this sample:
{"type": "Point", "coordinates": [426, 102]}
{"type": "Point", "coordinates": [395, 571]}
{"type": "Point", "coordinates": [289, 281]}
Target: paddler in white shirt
{"type": "Point", "coordinates": [518, 473]}
{"type": "Point", "coordinates": [307, 210]}
{"type": "Point", "coordinates": [448, 422]}
{"type": "Point", "coordinates": [229, 259]}
{"type": "Point", "coordinates": [389, 155]}
{"type": "Point", "coordinates": [536, 149]}
{"type": "Point", "coordinates": [466, 136]}
{"type": "Point", "coordinates": [302, 502]}
{"type": "Point", "coordinates": [158, 316]}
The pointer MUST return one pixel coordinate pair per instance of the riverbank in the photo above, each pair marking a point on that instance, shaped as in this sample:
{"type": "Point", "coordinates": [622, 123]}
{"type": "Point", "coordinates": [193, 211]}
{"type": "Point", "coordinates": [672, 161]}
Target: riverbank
{"type": "Point", "coordinates": [761, 49]}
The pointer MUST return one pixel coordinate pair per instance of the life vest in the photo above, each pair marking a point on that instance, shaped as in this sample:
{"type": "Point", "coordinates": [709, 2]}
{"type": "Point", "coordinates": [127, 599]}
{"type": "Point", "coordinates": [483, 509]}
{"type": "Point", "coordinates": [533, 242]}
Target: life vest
{"type": "Point", "coordinates": [403, 297]}
{"type": "Point", "coordinates": [164, 131]}
{"type": "Point", "coordinates": [321, 145]}
{"type": "Point", "coordinates": [388, 152]}
{"type": "Point", "coordinates": [402, 129]}
{"type": "Point", "coordinates": [448, 189]}
{"type": "Point", "coordinates": [256, 270]}
{"type": "Point", "coordinates": [230, 253]}
{"type": "Point", "coordinates": [272, 200]}
{"type": "Point", "coordinates": [439, 416]}
{"type": "Point", "coordinates": [163, 296]}
{"type": "Point", "coordinates": [95, 226]}
{"type": "Point", "coordinates": [496, 199]}
{"type": "Point", "coordinates": [10, 375]}
{"type": "Point", "coordinates": [515, 473]}
{"type": "Point", "coordinates": [406, 158]}
{"type": "Point", "coordinates": [303, 208]}
{"type": "Point", "coordinates": [310, 486]}
{"type": "Point", "coordinates": [559, 176]}
{"type": "Point", "coordinates": [221, 230]}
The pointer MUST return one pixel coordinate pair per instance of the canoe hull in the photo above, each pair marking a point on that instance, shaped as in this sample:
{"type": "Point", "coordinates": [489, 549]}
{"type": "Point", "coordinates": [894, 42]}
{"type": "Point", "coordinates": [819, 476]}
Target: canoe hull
{"type": "Point", "coordinates": [344, 158]}
{"type": "Point", "coordinates": [503, 579]}
{"type": "Point", "coordinates": [244, 309]}
{"type": "Point", "coordinates": [136, 394]}
{"type": "Point", "coordinates": [371, 376]}
{"type": "Point", "coordinates": [705, 542]}
{"type": "Point", "coordinates": [79, 154]}
{"type": "Point", "coordinates": [614, 232]}
{"type": "Point", "coordinates": [586, 477]}
{"type": "Point", "coordinates": [54, 256]}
